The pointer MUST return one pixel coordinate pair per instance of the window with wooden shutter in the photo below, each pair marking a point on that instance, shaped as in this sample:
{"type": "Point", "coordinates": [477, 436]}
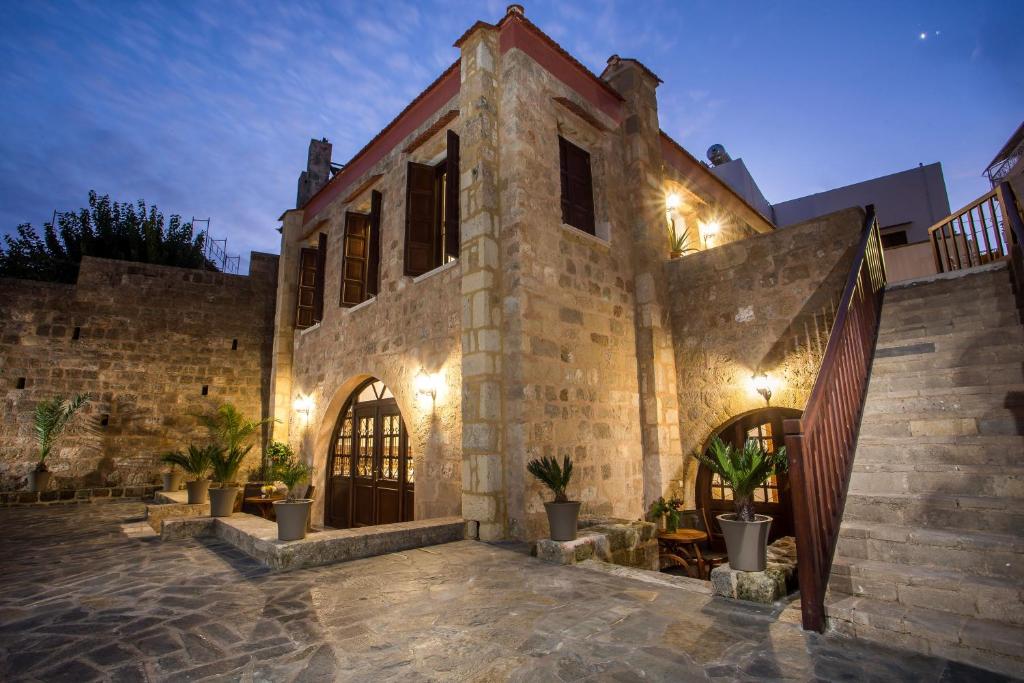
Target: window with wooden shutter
{"type": "Point", "coordinates": [373, 264]}
{"type": "Point", "coordinates": [355, 258]}
{"type": "Point", "coordinates": [307, 287]}
{"type": "Point", "coordinates": [577, 186]}
{"type": "Point", "coordinates": [451, 200]}
{"type": "Point", "coordinates": [420, 219]}
{"type": "Point", "coordinates": [318, 286]}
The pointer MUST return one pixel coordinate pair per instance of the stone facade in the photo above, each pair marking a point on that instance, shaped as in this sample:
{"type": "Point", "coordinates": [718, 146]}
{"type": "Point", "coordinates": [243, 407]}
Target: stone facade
{"type": "Point", "coordinates": [545, 340]}
{"type": "Point", "coordinates": [144, 341]}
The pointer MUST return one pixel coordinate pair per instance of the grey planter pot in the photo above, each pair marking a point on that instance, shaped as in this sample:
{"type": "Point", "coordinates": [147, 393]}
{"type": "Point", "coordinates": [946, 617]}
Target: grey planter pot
{"type": "Point", "coordinates": [39, 481]}
{"type": "Point", "coordinates": [746, 542]}
{"type": "Point", "coordinates": [563, 520]}
{"type": "Point", "coordinates": [292, 518]}
{"type": "Point", "coordinates": [172, 481]}
{"type": "Point", "coordinates": [197, 491]}
{"type": "Point", "coordinates": [222, 501]}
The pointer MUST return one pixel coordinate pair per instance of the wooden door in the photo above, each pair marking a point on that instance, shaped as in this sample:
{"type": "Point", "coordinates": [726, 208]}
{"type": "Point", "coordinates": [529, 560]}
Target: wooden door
{"type": "Point", "coordinates": [364, 480]}
{"type": "Point", "coordinates": [765, 426]}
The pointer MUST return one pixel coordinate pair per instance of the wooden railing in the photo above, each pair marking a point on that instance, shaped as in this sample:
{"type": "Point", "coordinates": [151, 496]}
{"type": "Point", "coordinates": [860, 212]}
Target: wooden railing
{"type": "Point", "coordinates": [821, 442]}
{"type": "Point", "coordinates": [980, 233]}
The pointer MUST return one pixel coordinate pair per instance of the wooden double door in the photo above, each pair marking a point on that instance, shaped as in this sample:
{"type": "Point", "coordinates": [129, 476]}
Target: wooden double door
{"type": "Point", "coordinates": [371, 477]}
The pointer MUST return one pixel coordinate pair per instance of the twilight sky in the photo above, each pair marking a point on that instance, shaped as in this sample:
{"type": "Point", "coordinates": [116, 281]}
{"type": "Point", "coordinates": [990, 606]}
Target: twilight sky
{"type": "Point", "coordinates": [206, 108]}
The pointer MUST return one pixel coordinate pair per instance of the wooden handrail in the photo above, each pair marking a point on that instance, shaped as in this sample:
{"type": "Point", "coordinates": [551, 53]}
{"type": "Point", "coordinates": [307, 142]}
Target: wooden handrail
{"type": "Point", "coordinates": [821, 443]}
{"type": "Point", "coordinates": [985, 230]}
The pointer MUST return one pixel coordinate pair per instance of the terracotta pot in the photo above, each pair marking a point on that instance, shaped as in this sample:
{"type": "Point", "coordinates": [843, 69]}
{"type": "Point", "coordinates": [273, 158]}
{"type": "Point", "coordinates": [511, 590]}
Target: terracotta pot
{"type": "Point", "coordinates": [222, 501]}
{"type": "Point", "coordinates": [292, 518]}
{"type": "Point", "coordinates": [39, 480]}
{"type": "Point", "coordinates": [746, 542]}
{"type": "Point", "coordinates": [172, 481]}
{"type": "Point", "coordinates": [675, 253]}
{"type": "Point", "coordinates": [563, 520]}
{"type": "Point", "coordinates": [197, 491]}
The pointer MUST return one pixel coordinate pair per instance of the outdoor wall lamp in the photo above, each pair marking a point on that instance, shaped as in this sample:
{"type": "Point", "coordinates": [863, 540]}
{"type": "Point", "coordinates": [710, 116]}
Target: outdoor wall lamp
{"type": "Point", "coordinates": [303, 405]}
{"type": "Point", "coordinates": [709, 230]}
{"type": "Point", "coordinates": [426, 384]}
{"type": "Point", "coordinates": [763, 386]}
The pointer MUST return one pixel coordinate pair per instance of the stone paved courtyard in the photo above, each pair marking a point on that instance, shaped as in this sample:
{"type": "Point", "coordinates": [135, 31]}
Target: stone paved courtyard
{"type": "Point", "coordinates": [87, 596]}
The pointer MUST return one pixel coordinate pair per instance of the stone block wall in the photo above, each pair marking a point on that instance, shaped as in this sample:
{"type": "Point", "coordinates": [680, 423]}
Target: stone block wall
{"type": "Point", "coordinates": [143, 340]}
{"type": "Point", "coordinates": [753, 304]}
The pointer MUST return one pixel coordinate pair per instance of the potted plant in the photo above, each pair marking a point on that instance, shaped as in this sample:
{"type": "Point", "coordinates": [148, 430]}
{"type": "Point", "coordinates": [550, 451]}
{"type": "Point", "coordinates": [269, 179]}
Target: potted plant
{"type": "Point", "coordinates": [679, 241]}
{"type": "Point", "coordinates": [744, 469]}
{"type": "Point", "coordinates": [231, 431]}
{"type": "Point", "coordinates": [292, 513]}
{"type": "Point", "coordinates": [563, 514]}
{"type": "Point", "coordinates": [666, 513]}
{"type": "Point", "coordinates": [196, 462]}
{"type": "Point", "coordinates": [172, 479]}
{"type": "Point", "coordinates": [50, 420]}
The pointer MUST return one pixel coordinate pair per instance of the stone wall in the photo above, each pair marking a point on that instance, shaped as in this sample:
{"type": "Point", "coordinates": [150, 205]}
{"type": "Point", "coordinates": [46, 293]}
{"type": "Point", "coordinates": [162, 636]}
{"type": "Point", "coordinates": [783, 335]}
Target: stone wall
{"type": "Point", "coordinates": [143, 340]}
{"type": "Point", "coordinates": [765, 302]}
{"type": "Point", "coordinates": [412, 325]}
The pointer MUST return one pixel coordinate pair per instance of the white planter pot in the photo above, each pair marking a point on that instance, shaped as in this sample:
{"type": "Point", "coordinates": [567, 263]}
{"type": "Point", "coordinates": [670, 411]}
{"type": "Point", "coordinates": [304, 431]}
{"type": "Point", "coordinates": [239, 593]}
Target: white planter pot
{"type": "Point", "coordinates": [746, 542]}
{"type": "Point", "coordinates": [222, 501]}
{"type": "Point", "coordinates": [292, 518]}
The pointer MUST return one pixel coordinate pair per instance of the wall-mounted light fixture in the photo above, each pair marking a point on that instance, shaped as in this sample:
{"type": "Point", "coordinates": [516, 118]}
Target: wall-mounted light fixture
{"type": "Point", "coordinates": [708, 230]}
{"type": "Point", "coordinates": [763, 386]}
{"type": "Point", "coordinates": [426, 384]}
{"type": "Point", "coordinates": [303, 405]}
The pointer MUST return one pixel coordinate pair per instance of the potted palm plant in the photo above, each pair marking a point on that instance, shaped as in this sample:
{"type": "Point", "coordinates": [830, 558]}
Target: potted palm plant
{"type": "Point", "coordinates": [744, 469]}
{"type": "Point", "coordinates": [232, 432]}
{"type": "Point", "coordinates": [563, 514]}
{"type": "Point", "coordinates": [196, 463]}
{"type": "Point", "coordinates": [50, 420]}
{"type": "Point", "coordinates": [292, 513]}
{"type": "Point", "coordinates": [172, 478]}
{"type": "Point", "coordinates": [679, 241]}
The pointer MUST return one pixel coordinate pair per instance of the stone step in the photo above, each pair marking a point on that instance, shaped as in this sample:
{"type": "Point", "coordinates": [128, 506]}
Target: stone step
{"type": "Point", "coordinates": [923, 480]}
{"type": "Point", "coordinates": [973, 552]}
{"type": "Point", "coordinates": [969, 401]}
{"type": "Point", "coordinates": [936, 511]}
{"type": "Point", "coordinates": [920, 358]}
{"type": "Point", "coordinates": [892, 379]}
{"type": "Point", "coordinates": [984, 449]}
{"type": "Point", "coordinates": [903, 428]}
{"type": "Point", "coordinates": [997, 279]}
{"type": "Point", "coordinates": [894, 329]}
{"type": "Point", "coordinates": [923, 341]}
{"type": "Point", "coordinates": [985, 643]}
{"type": "Point", "coordinates": [931, 588]}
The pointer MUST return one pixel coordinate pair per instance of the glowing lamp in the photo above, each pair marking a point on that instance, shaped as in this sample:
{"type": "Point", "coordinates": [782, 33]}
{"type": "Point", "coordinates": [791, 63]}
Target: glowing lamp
{"type": "Point", "coordinates": [673, 202]}
{"type": "Point", "coordinates": [304, 405]}
{"type": "Point", "coordinates": [763, 386]}
{"type": "Point", "coordinates": [426, 384]}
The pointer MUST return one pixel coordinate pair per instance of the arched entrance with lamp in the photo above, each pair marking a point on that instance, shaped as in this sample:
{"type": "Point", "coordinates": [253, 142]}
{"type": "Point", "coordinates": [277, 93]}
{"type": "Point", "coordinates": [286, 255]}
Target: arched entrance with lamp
{"type": "Point", "coordinates": [715, 496]}
{"type": "Point", "coordinates": [370, 474]}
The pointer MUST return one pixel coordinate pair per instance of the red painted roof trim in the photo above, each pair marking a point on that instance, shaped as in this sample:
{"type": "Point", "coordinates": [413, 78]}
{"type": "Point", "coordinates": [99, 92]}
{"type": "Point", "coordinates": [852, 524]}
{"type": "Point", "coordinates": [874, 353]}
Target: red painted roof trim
{"type": "Point", "coordinates": [518, 32]}
{"type": "Point", "coordinates": [426, 104]}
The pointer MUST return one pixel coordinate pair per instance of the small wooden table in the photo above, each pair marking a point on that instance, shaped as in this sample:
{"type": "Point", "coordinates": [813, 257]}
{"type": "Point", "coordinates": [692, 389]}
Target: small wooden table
{"type": "Point", "coordinates": [265, 505]}
{"type": "Point", "coordinates": [682, 546]}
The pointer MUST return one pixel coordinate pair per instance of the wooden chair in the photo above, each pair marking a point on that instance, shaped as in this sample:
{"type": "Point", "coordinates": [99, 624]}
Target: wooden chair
{"type": "Point", "coordinates": [713, 557]}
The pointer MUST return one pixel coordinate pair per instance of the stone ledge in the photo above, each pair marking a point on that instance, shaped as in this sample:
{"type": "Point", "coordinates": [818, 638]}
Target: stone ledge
{"type": "Point", "coordinates": [257, 537]}
{"type": "Point", "coordinates": [616, 541]}
{"type": "Point", "coordinates": [765, 587]}
{"type": "Point", "coordinates": [75, 496]}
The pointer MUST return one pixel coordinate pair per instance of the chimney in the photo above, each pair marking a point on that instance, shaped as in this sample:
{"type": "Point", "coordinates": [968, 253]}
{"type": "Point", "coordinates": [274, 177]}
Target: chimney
{"type": "Point", "coordinates": [317, 173]}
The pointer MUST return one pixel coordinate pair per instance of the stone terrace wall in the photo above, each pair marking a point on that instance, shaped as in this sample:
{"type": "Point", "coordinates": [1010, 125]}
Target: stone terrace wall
{"type": "Point", "coordinates": [742, 306]}
{"type": "Point", "coordinates": [149, 338]}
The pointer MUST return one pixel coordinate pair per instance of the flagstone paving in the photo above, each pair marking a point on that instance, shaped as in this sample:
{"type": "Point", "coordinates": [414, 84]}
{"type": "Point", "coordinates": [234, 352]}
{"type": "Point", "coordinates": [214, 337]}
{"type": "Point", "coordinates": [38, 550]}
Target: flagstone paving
{"type": "Point", "coordinates": [89, 594]}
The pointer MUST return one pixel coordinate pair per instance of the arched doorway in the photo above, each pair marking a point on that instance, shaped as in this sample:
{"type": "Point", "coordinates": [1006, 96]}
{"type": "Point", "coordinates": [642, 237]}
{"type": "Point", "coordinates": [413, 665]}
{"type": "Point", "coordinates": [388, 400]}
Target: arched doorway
{"type": "Point", "coordinates": [370, 477]}
{"type": "Point", "coordinates": [764, 425]}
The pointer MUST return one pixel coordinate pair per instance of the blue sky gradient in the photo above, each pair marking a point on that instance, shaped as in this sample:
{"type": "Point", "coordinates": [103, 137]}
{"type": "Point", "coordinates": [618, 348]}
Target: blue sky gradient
{"type": "Point", "coordinates": [206, 108]}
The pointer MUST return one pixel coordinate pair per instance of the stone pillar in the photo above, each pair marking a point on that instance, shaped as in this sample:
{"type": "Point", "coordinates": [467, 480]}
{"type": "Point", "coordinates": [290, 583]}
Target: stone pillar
{"type": "Point", "coordinates": [484, 498]}
{"type": "Point", "coordinates": [317, 173]}
{"type": "Point", "coordinates": [659, 400]}
{"type": "Point", "coordinates": [284, 325]}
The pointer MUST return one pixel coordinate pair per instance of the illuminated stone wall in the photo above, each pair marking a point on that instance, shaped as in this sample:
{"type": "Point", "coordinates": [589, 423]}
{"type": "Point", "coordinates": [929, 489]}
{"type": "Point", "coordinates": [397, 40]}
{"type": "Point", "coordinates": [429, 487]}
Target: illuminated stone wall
{"type": "Point", "coordinates": [763, 302]}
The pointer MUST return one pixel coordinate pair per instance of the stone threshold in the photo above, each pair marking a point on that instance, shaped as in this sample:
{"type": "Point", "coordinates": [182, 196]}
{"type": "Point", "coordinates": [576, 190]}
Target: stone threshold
{"type": "Point", "coordinates": [647, 576]}
{"type": "Point", "coordinates": [75, 496]}
{"type": "Point", "coordinates": [257, 538]}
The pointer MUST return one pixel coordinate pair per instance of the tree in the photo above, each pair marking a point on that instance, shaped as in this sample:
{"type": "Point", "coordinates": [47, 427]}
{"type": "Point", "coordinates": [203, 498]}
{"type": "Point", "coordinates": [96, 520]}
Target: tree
{"type": "Point", "coordinates": [105, 229]}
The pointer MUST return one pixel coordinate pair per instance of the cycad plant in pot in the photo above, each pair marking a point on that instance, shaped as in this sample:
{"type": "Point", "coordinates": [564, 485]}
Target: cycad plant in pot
{"type": "Point", "coordinates": [232, 432]}
{"type": "Point", "coordinates": [172, 478]}
{"type": "Point", "coordinates": [563, 514]}
{"type": "Point", "coordinates": [292, 513]}
{"type": "Point", "coordinates": [196, 463]}
{"type": "Point", "coordinates": [744, 469]}
{"type": "Point", "coordinates": [50, 419]}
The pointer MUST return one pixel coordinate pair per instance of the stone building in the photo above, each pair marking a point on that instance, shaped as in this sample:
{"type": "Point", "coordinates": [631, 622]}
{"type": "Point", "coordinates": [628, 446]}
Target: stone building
{"type": "Point", "coordinates": [488, 281]}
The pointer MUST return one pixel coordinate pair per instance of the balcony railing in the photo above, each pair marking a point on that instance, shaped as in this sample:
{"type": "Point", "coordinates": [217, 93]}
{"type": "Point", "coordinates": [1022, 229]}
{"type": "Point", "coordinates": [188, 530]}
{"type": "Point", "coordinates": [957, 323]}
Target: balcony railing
{"type": "Point", "coordinates": [822, 441]}
{"type": "Point", "coordinates": [980, 233]}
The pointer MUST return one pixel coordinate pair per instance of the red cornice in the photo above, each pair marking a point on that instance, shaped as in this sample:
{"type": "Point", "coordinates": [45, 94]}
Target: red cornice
{"type": "Point", "coordinates": [426, 104]}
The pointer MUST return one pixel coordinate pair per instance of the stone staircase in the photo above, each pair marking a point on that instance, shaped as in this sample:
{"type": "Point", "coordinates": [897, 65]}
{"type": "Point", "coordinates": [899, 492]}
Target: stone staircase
{"type": "Point", "coordinates": [931, 549]}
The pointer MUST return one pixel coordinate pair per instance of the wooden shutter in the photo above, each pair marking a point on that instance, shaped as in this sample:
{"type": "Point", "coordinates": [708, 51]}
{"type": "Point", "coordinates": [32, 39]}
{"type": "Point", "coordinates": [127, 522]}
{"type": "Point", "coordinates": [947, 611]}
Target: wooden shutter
{"type": "Point", "coordinates": [420, 234]}
{"type": "Point", "coordinates": [373, 264]}
{"type": "Point", "coordinates": [307, 287]}
{"type": "Point", "coordinates": [451, 199]}
{"type": "Point", "coordinates": [355, 253]}
{"type": "Point", "coordinates": [321, 271]}
{"type": "Point", "coordinates": [577, 186]}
